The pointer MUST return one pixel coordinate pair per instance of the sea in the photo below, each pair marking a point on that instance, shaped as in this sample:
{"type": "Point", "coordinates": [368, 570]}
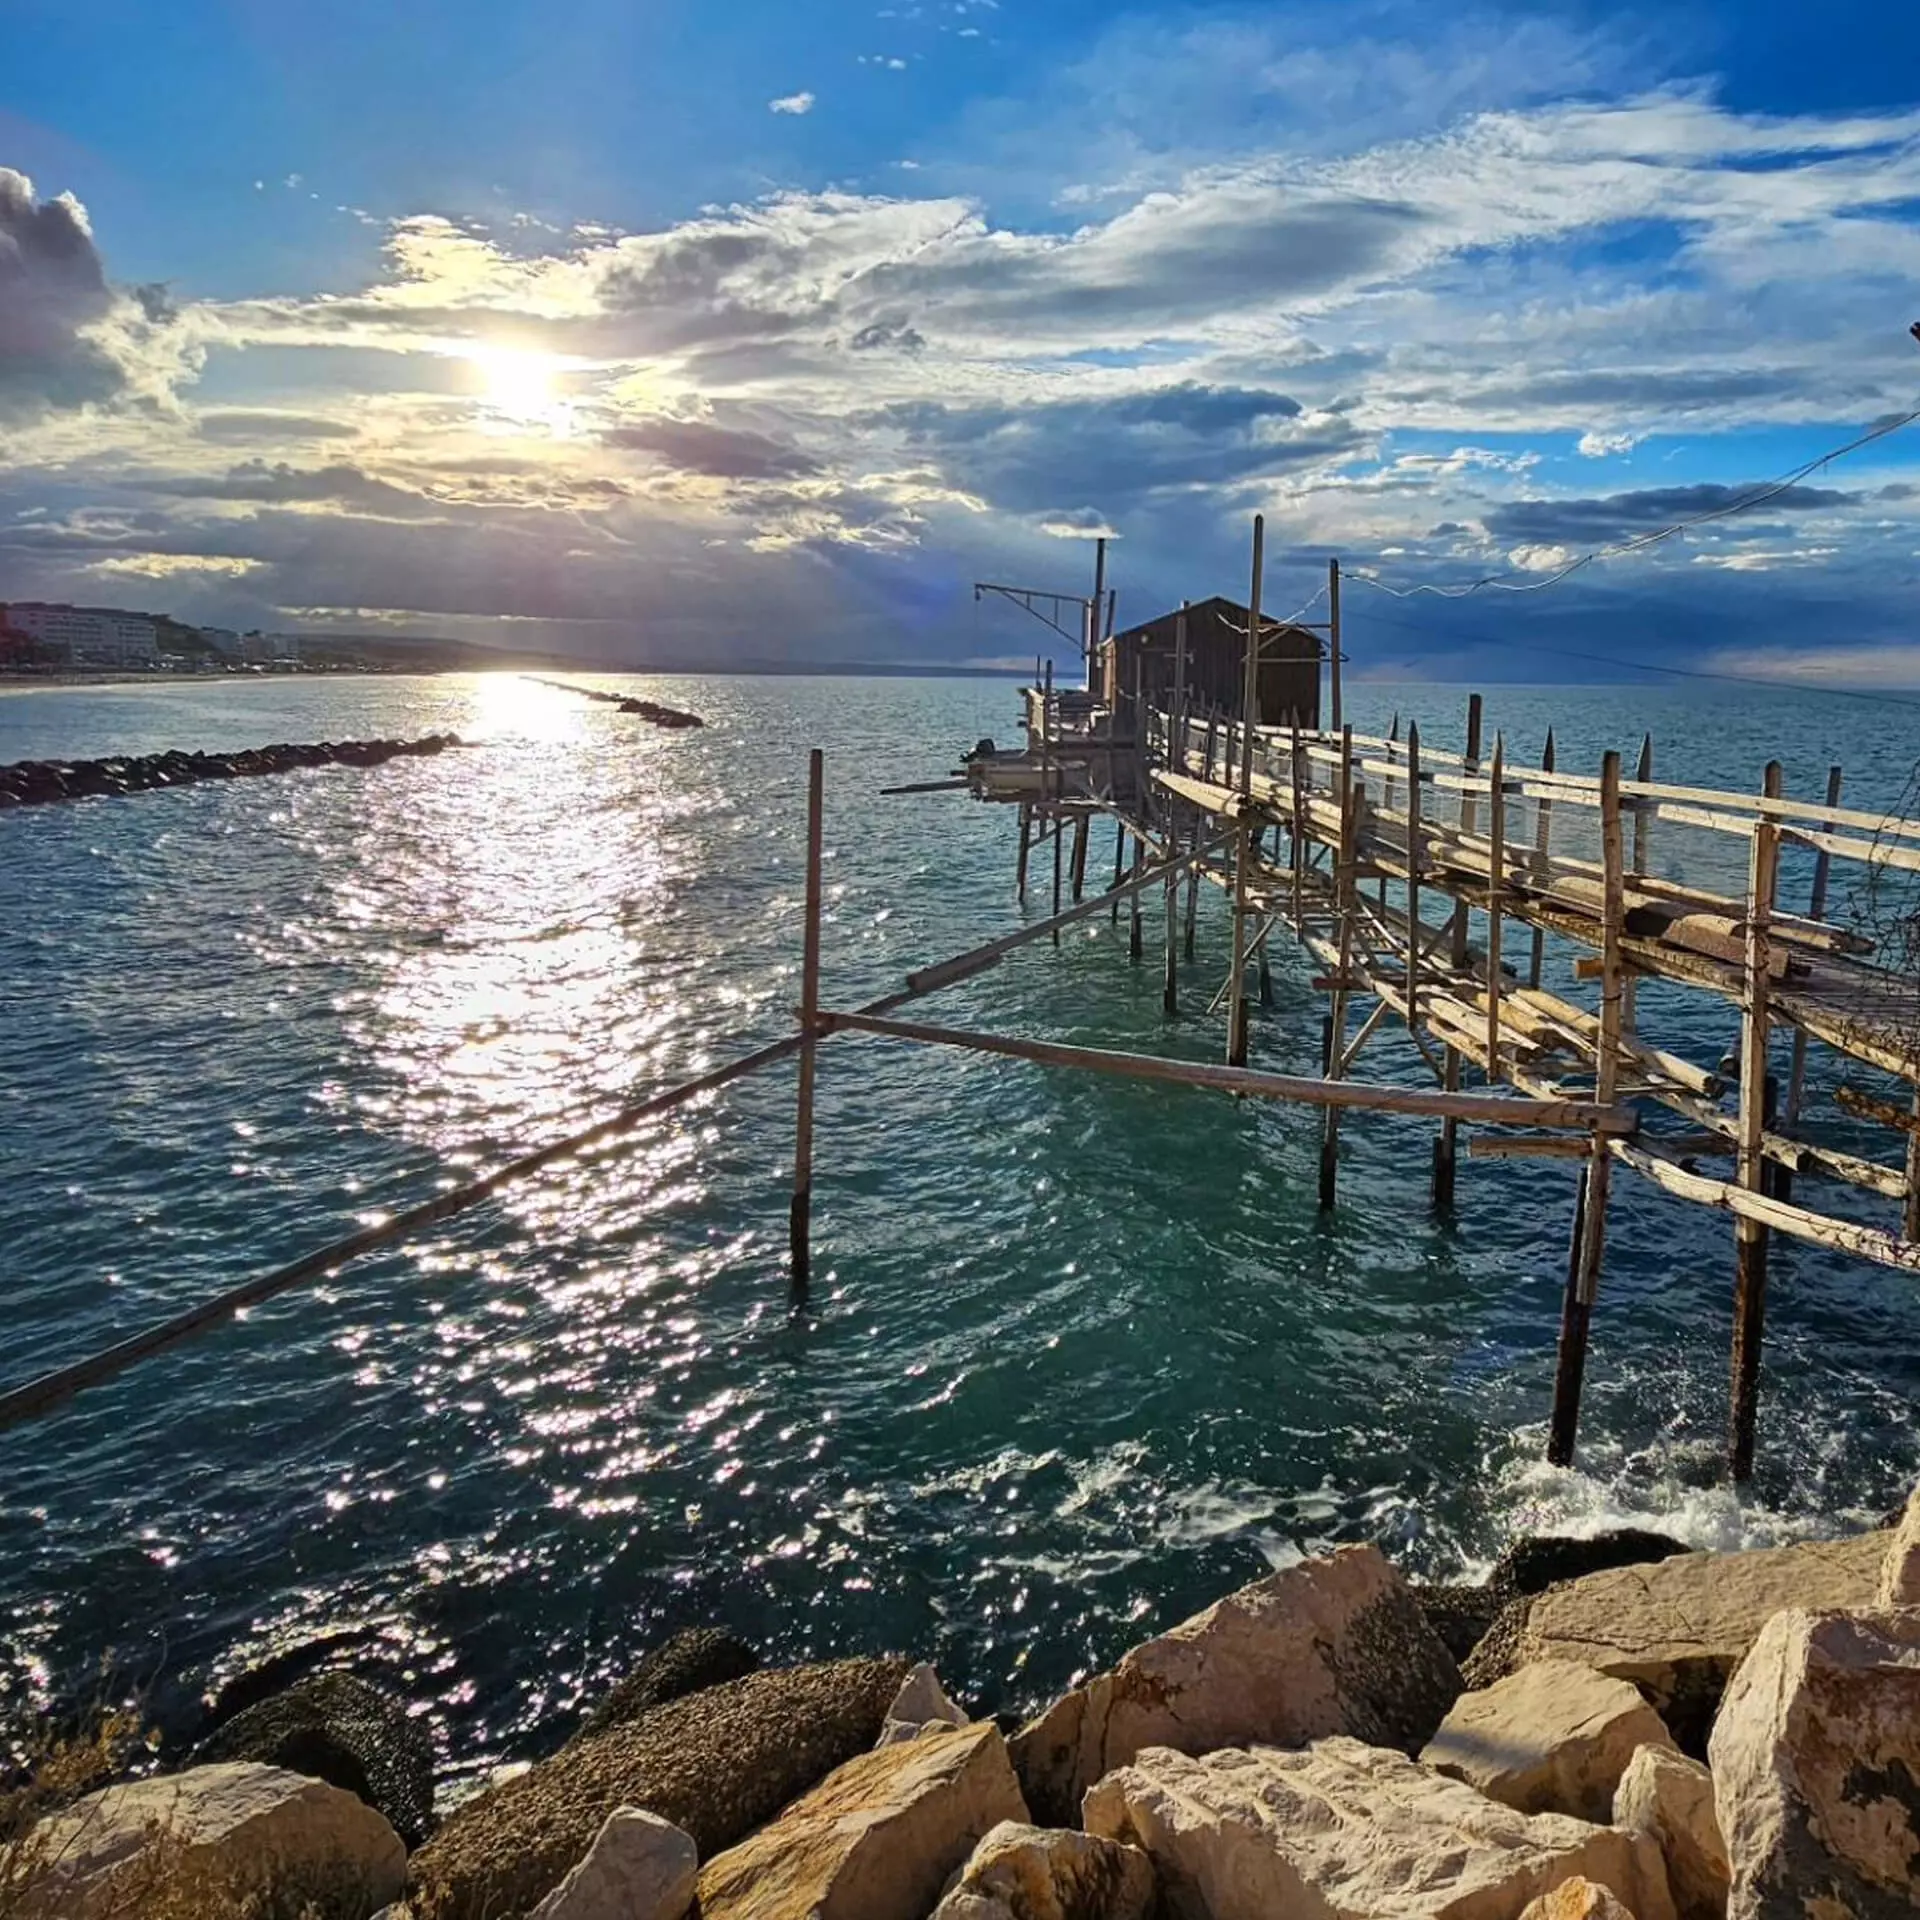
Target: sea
{"type": "Point", "coordinates": [1082, 1353]}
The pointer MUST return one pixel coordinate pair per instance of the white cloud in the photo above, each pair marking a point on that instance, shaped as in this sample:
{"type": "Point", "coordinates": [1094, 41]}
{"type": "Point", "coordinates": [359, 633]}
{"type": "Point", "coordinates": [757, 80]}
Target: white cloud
{"type": "Point", "coordinates": [1540, 559]}
{"type": "Point", "coordinates": [1597, 446]}
{"type": "Point", "coordinates": [801, 102]}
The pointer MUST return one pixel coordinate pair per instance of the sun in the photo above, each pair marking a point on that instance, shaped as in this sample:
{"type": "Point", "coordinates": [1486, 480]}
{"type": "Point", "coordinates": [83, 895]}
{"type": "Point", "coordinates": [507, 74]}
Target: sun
{"type": "Point", "coordinates": [518, 385]}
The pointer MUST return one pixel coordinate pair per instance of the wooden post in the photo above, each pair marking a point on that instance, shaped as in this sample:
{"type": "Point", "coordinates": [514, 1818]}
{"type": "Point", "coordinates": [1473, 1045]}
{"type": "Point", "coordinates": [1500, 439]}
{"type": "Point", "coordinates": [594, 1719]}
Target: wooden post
{"type": "Point", "coordinates": [1910, 1213]}
{"type": "Point", "coordinates": [1542, 837]}
{"type": "Point", "coordinates": [1136, 943]}
{"type": "Point", "coordinates": [1050, 785]}
{"type": "Point", "coordinates": [1797, 1072]}
{"type": "Point", "coordinates": [1750, 1236]}
{"type": "Point", "coordinates": [1496, 893]}
{"type": "Point", "coordinates": [799, 1216]}
{"type": "Point", "coordinates": [1352, 797]}
{"type": "Point", "coordinates": [1243, 852]}
{"type": "Point", "coordinates": [1119, 861]}
{"type": "Point", "coordinates": [1333, 638]}
{"type": "Point", "coordinates": [1170, 979]}
{"type": "Point", "coordinates": [1386, 796]}
{"type": "Point", "coordinates": [1446, 1145]}
{"type": "Point", "coordinates": [1583, 1276]}
{"type": "Point", "coordinates": [1299, 842]}
{"type": "Point", "coordinates": [1026, 841]}
{"type": "Point", "coordinates": [1081, 828]}
{"type": "Point", "coordinates": [1642, 836]}
{"type": "Point", "coordinates": [1413, 877]}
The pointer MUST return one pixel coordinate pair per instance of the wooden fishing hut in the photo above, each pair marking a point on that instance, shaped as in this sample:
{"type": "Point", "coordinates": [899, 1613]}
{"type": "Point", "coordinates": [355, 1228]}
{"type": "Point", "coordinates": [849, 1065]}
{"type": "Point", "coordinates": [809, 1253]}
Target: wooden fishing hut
{"type": "Point", "coordinates": [1201, 650]}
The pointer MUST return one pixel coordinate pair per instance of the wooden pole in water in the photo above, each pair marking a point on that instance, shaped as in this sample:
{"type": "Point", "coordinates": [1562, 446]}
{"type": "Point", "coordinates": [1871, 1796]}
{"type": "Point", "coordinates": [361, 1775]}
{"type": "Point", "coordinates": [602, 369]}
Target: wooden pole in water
{"type": "Point", "coordinates": [1413, 877]}
{"type": "Point", "coordinates": [1333, 639]}
{"type": "Point", "coordinates": [1446, 1145]}
{"type": "Point", "coordinates": [1050, 785]}
{"type": "Point", "coordinates": [1352, 798]}
{"type": "Point", "coordinates": [1797, 1072]}
{"type": "Point", "coordinates": [1642, 837]}
{"type": "Point", "coordinates": [1542, 836]}
{"type": "Point", "coordinates": [1496, 894]}
{"type": "Point", "coordinates": [1243, 853]}
{"type": "Point", "coordinates": [1750, 1236]}
{"type": "Point", "coordinates": [1081, 828]}
{"type": "Point", "coordinates": [799, 1218]}
{"type": "Point", "coordinates": [1590, 1220]}
{"type": "Point", "coordinates": [1119, 859]}
{"type": "Point", "coordinates": [1136, 939]}
{"type": "Point", "coordinates": [1177, 759]}
{"type": "Point", "coordinates": [1026, 842]}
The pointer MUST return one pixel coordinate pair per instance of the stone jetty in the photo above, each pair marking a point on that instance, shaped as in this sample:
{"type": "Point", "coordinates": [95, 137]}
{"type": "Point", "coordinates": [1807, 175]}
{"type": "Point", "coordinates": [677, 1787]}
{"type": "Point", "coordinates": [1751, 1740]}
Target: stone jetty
{"type": "Point", "coordinates": [31, 783]}
{"type": "Point", "coordinates": [1306, 1748]}
{"type": "Point", "coordinates": [648, 710]}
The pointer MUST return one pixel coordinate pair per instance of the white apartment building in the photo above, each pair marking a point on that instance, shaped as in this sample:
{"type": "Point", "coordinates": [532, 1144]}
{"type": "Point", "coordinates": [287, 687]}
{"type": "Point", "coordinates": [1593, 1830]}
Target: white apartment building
{"type": "Point", "coordinates": [93, 636]}
{"type": "Point", "coordinates": [223, 640]}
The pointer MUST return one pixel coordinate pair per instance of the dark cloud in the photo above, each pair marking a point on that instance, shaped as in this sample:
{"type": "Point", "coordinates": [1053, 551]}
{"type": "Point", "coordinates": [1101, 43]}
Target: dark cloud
{"type": "Point", "coordinates": [281, 485]}
{"type": "Point", "coordinates": [1618, 514]}
{"type": "Point", "coordinates": [887, 334]}
{"type": "Point", "coordinates": [259, 423]}
{"type": "Point", "coordinates": [1115, 452]}
{"type": "Point", "coordinates": [724, 453]}
{"type": "Point", "coordinates": [52, 288]}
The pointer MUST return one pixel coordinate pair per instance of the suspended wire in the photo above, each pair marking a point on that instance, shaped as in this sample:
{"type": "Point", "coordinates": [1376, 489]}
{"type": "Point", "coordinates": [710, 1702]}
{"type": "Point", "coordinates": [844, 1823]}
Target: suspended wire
{"type": "Point", "coordinates": [1505, 583]}
{"type": "Point", "coordinates": [1643, 666]}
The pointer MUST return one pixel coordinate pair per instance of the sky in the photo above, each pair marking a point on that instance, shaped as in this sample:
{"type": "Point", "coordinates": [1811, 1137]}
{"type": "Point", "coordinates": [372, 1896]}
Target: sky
{"type": "Point", "coordinates": [689, 336]}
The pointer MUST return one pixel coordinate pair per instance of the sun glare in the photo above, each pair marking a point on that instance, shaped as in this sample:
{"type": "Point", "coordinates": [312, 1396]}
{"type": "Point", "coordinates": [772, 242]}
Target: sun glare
{"type": "Point", "coordinates": [519, 386]}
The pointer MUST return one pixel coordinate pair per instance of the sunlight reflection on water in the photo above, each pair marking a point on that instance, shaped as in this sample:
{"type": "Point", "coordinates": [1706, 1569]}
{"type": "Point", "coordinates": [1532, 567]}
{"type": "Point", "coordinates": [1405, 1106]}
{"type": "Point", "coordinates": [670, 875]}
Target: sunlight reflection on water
{"type": "Point", "coordinates": [1083, 1354]}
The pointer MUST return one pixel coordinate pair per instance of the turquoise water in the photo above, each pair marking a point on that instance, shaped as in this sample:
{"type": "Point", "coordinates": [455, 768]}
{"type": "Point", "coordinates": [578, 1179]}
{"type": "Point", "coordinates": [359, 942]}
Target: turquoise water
{"type": "Point", "coordinates": [1083, 1354]}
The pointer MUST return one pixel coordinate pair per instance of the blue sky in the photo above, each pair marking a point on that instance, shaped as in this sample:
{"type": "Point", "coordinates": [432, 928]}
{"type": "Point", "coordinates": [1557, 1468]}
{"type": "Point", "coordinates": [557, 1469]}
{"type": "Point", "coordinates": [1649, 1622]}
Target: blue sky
{"type": "Point", "coordinates": [679, 334]}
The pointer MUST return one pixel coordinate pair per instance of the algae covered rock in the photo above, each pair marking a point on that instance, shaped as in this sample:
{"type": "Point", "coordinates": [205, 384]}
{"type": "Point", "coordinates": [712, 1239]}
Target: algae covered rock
{"type": "Point", "coordinates": [336, 1727]}
{"type": "Point", "coordinates": [716, 1763]}
{"type": "Point", "coordinates": [684, 1663]}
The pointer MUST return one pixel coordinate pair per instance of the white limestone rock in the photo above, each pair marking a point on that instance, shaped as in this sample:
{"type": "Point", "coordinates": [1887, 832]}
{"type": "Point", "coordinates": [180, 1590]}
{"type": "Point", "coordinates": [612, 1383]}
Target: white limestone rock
{"type": "Point", "coordinates": [876, 1840]}
{"type": "Point", "coordinates": [236, 1829]}
{"type": "Point", "coordinates": [920, 1704]}
{"type": "Point", "coordinates": [640, 1867]}
{"type": "Point", "coordinates": [1671, 1797]}
{"type": "Point", "coordinates": [1576, 1899]}
{"type": "Point", "coordinates": [1336, 1645]}
{"type": "Point", "coordinates": [1344, 1831]}
{"type": "Point", "coordinates": [1555, 1737]}
{"type": "Point", "coordinates": [1040, 1873]}
{"type": "Point", "coordinates": [1900, 1570]}
{"type": "Point", "coordinates": [1816, 1769]}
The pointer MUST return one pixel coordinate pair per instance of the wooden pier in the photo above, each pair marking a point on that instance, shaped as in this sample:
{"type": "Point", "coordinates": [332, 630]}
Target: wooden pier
{"type": "Point", "coordinates": [1432, 887]}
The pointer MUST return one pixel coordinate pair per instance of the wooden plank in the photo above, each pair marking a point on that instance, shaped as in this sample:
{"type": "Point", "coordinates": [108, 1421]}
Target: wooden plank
{"type": "Point", "coordinates": [1843, 1236]}
{"type": "Point", "coordinates": [1542, 846]}
{"type": "Point", "coordinates": [1481, 1109]}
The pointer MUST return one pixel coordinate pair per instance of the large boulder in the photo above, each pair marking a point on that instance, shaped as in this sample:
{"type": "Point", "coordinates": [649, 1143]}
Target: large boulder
{"type": "Point", "coordinates": [875, 1840]}
{"type": "Point", "coordinates": [716, 1763]}
{"type": "Point", "coordinates": [1678, 1629]}
{"type": "Point", "coordinates": [1553, 1738]}
{"type": "Point", "coordinates": [1671, 1797]}
{"type": "Point", "coordinates": [234, 1835]}
{"type": "Point", "coordinates": [1540, 1561]}
{"type": "Point", "coordinates": [683, 1663]}
{"type": "Point", "coordinates": [1816, 1769]}
{"type": "Point", "coordinates": [337, 1728]}
{"type": "Point", "coordinates": [1900, 1570]}
{"type": "Point", "coordinates": [639, 1867]}
{"type": "Point", "coordinates": [1344, 1831]}
{"type": "Point", "coordinates": [1045, 1873]}
{"type": "Point", "coordinates": [1333, 1645]}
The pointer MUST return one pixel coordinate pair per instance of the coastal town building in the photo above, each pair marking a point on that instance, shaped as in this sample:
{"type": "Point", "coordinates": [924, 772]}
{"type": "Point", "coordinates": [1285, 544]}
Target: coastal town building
{"type": "Point", "coordinates": [90, 636]}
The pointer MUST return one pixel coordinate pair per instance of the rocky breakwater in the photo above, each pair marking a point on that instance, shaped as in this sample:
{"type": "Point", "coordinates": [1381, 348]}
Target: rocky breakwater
{"type": "Point", "coordinates": [1304, 1749]}
{"type": "Point", "coordinates": [29, 783]}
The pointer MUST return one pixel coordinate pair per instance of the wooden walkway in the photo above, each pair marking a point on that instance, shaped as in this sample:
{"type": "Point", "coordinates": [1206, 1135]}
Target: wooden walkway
{"type": "Point", "coordinates": [1432, 889]}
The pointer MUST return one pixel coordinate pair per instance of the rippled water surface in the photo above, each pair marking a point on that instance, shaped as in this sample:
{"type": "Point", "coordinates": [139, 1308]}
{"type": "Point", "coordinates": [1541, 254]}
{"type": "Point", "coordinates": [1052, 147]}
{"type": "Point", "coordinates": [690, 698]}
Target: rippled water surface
{"type": "Point", "coordinates": [1083, 1354]}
